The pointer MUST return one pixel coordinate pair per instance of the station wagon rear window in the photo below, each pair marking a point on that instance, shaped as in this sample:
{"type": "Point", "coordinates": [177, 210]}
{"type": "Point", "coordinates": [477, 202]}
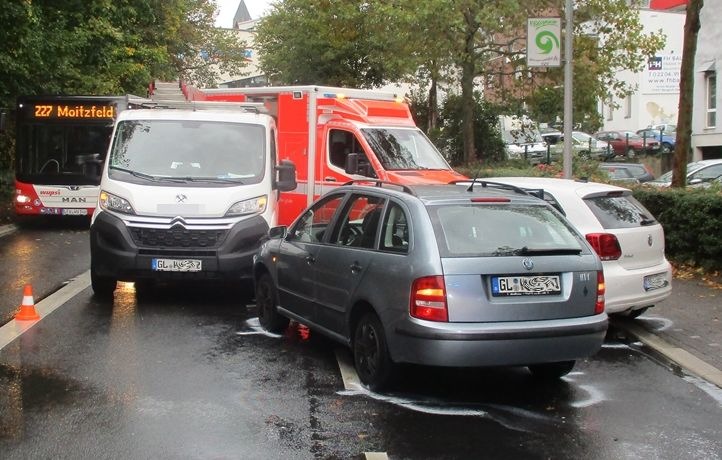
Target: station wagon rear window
{"type": "Point", "coordinates": [464, 230]}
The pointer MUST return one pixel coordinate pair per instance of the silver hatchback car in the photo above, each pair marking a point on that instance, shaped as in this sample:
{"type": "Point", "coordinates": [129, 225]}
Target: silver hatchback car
{"type": "Point", "coordinates": [479, 274]}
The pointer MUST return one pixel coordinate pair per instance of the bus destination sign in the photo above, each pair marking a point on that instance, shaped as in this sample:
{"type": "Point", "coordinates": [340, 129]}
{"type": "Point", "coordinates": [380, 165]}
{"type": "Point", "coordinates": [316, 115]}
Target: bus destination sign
{"type": "Point", "coordinates": [74, 111]}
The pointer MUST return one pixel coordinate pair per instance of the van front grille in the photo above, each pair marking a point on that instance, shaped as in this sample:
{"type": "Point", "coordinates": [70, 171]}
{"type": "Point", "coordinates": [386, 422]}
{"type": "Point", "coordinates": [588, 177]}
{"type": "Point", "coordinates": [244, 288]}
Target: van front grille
{"type": "Point", "coordinates": [177, 237]}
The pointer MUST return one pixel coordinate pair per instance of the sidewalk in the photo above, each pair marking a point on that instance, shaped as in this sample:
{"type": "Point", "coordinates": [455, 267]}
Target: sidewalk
{"type": "Point", "coordinates": [686, 328]}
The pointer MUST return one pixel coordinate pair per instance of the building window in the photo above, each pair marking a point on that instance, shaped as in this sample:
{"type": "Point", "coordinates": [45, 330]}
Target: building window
{"type": "Point", "coordinates": [628, 106]}
{"type": "Point", "coordinates": [711, 99]}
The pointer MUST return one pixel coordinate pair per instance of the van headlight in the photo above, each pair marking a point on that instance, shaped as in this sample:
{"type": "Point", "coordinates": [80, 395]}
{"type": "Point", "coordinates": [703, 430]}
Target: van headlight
{"type": "Point", "coordinates": [251, 206]}
{"type": "Point", "coordinates": [110, 202]}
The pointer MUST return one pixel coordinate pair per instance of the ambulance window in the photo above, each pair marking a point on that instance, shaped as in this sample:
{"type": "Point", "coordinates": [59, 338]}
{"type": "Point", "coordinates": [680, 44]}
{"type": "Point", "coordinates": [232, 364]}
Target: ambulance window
{"type": "Point", "coordinates": [340, 144]}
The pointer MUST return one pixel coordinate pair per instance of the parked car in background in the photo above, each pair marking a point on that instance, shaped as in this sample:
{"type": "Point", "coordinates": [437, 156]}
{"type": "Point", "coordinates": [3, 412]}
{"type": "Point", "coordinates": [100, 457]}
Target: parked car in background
{"type": "Point", "coordinates": [522, 139]}
{"type": "Point", "coordinates": [626, 236]}
{"type": "Point", "coordinates": [698, 172]}
{"type": "Point", "coordinates": [627, 143]}
{"type": "Point", "coordinates": [667, 139]}
{"type": "Point", "coordinates": [583, 145]}
{"type": "Point", "coordinates": [463, 275]}
{"type": "Point", "coordinates": [637, 171]}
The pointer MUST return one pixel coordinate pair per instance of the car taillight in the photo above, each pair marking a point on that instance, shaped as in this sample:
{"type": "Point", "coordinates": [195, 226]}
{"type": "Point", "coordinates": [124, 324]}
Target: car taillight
{"type": "Point", "coordinates": [605, 245]}
{"type": "Point", "coordinates": [428, 299]}
{"type": "Point", "coordinates": [601, 288]}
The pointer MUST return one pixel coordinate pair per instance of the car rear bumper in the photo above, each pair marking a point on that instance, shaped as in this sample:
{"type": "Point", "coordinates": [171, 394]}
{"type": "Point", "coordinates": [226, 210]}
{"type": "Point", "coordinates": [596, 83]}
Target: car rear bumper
{"type": "Point", "coordinates": [115, 254]}
{"type": "Point", "coordinates": [497, 344]}
{"type": "Point", "coordinates": [625, 288]}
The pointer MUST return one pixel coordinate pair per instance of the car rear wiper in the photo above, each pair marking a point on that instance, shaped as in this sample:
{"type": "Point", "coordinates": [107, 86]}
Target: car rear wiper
{"type": "Point", "coordinates": [525, 251]}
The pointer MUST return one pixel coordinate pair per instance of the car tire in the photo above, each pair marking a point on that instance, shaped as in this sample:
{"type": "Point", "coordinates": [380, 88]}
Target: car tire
{"type": "Point", "coordinates": [267, 305]}
{"type": "Point", "coordinates": [103, 287]}
{"type": "Point", "coordinates": [371, 357]}
{"type": "Point", "coordinates": [631, 153]}
{"type": "Point", "coordinates": [584, 155]}
{"type": "Point", "coordinates": [551, 371]}
{"type": "Point", "coordinates": [666, 147]}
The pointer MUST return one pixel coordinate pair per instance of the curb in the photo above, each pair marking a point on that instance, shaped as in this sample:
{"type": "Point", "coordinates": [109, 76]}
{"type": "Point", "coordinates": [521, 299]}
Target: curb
{"type": "Point", "coordinates": [676, 355]}
{"type": "Point", "coordinates": [7, 229]}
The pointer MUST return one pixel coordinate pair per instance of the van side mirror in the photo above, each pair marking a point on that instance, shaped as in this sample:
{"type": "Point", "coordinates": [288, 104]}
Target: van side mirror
{"type": "Point", "coordinates": [286, 176]}
{"type": "Point", "coordinates": [351, 166]}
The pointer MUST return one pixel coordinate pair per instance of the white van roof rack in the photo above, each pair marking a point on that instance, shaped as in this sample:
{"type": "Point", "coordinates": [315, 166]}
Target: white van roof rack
{"type": "Point", "coordinates": [252, 107]}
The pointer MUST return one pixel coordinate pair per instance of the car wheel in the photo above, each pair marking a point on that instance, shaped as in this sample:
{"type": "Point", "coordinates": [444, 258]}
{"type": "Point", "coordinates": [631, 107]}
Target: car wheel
{"type": "Point", "coordinates": [267, 305]}
{"type": "Point", "coordinates": [584, 155]}
{"type": "Point", "coordinates": [370, 353]}
{"type": "Point", "coordinates": [631, 153]}
{"type": "Point", "coordinates": [103, 287]}
{"type": "Point", "coordinates": [666, 147]}
{"type": "Point", "coordinates": [551, 371]}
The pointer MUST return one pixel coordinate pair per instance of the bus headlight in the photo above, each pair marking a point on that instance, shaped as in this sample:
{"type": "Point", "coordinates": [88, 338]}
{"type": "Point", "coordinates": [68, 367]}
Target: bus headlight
{"type": "Point", "coordinates": [110, 202]}
{"type": "Point", "coordinates": [252, 206]}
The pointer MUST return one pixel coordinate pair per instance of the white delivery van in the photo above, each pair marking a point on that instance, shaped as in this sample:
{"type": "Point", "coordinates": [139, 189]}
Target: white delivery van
{"type": "Point", "coordinates": [186, 194]}
{"type": "Point", "coordinates": [522, 139]}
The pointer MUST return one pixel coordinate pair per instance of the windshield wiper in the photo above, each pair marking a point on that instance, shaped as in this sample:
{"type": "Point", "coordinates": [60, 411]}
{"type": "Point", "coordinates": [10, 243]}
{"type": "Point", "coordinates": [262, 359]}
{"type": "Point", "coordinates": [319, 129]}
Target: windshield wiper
{"type": "Point", "coordinates": [218, 180]}
{"type": "Point", "coordinates": [525, 251]}
{"type": "Point", "coordinates": [137, 174]}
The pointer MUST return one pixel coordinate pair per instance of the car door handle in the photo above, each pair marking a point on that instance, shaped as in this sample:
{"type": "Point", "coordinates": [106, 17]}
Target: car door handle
{"type": "Point", "coordinates": [310, 260]}
{"type": "Point", "coordinates": [355, 267]}
{"type": "Point", "coordinates": [329, 179]}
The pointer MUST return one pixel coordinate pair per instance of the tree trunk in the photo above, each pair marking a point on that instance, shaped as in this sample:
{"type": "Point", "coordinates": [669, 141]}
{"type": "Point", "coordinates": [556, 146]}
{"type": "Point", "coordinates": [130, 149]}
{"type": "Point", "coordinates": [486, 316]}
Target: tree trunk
{"type": "Point", "coordinates": [468, 71]}
{"type": "Point", "coordinates": [683, 143]}
{"type": "Point", "coordinates": [433, 107]}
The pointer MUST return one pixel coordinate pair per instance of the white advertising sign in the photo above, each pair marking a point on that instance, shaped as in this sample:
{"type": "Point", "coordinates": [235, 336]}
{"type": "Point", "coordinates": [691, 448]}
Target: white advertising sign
{"type": "Point", "coordinates": [662, 74]}
{"type": "Point", "coordinates": [543, 42]}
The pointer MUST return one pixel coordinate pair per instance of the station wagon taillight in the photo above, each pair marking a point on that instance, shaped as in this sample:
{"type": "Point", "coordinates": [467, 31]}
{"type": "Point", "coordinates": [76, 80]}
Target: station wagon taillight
{"type": "Point", "coordinates": [601, 288]}
{"type": "Point", "coordinates": [605, 245]}
{"type": "Point", "coordinates": [428, 299]}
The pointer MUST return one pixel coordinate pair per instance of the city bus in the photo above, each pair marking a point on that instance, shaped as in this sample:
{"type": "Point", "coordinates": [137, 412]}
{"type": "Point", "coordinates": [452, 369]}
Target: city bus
{"type": "Point", "coordinates": [61, 143]}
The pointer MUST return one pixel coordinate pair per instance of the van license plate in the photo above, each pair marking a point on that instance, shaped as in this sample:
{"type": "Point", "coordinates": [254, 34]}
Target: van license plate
{"type": "Point", "coordinates": [525, 285]}
{"type": "Point", "coordinates": [176, 265]}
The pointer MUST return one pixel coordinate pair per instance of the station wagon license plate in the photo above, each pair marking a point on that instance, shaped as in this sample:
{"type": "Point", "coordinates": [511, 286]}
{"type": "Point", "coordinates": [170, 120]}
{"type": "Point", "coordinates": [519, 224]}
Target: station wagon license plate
{"type": "Point", "coordinates": [656, 281]}
{"type": "Point", "coordinates": [176, 265]}
{"type": "Point", "coordinates": [525, 285]}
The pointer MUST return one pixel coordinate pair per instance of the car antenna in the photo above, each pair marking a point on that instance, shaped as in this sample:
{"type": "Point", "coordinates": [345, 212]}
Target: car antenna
{"type": "Point", "coordinates": [476, 176]}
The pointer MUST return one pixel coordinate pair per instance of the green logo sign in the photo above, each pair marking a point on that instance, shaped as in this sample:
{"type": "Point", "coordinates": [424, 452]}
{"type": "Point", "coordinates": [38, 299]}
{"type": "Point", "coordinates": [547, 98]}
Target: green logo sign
{"type": "Point", "coordinates": [543, 42]}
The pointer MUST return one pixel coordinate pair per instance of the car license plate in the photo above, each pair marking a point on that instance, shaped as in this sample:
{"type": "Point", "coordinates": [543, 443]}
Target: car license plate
{"type": "Point", "coordinates": [176, 265]}
{"type": "Point", "coordinates": [75, 212]}
{"type": "Point", "coordinates": [525, 285]}
{"type": "Point", "coordinates": [656, 281]}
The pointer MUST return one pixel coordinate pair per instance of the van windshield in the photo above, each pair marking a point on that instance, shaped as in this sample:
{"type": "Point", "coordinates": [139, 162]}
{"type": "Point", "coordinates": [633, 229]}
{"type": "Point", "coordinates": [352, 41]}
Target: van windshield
{"type": "Point", "coordinates": [176, 150]}
{"type": "Point", "coordinates": [404, 148]}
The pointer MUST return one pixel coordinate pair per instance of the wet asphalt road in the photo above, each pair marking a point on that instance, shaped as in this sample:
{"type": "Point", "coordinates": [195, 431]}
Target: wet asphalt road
{"type": "Point", "coordinates": [184, 372]}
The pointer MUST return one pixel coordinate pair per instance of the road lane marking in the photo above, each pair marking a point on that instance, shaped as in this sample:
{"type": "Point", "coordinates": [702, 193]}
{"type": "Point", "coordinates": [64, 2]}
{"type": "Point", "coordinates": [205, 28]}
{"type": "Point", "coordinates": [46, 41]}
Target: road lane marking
{"type": "Point", "coordinates": [376, 456]}
{"type": "Point", "coordinates": [15, 329]}
{"type": "Point", "coordinates": [7, 229]}
{"type": "Point", "coordinates": [348, 372]}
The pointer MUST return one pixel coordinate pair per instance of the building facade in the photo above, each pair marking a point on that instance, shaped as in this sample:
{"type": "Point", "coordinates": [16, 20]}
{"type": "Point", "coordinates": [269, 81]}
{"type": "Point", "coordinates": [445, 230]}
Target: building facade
{"type": "Point", "coordinates": [706, 124]}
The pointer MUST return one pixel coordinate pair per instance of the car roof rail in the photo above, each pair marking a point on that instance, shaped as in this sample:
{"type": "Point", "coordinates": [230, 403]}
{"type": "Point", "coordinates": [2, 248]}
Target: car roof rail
{"type": "Point", "coordinates": [380, 183]}
{"type": "Point", "coordinates": [251, 107]}
{"type": "Point", "coordinates": [538, 193]}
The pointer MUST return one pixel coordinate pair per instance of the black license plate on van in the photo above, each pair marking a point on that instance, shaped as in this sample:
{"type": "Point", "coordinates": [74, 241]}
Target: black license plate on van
{"type": "Point", "coordinates": [525, 285]}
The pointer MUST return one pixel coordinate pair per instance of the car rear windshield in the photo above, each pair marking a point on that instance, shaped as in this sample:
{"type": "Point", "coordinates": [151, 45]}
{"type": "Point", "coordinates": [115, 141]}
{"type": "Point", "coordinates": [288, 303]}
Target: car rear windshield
{"type": "Point", "coordinates": [475, 229]}
{"type": "Point", "coordinates": [619, 210]}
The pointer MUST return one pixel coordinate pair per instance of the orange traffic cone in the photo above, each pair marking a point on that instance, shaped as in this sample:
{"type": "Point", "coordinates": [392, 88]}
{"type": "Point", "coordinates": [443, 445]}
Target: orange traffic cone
{"type": "Point", "coordinates": [27, 309]}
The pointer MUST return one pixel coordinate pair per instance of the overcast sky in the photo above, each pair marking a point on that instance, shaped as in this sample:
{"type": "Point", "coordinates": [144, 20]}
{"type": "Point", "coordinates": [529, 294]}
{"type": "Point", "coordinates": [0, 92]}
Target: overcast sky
{"type": "Point", "coordinates": [227, 9]}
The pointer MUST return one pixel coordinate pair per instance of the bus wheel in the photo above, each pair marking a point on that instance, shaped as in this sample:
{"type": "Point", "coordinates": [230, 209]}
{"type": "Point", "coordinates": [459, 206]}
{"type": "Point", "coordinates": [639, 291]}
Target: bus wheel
{"type": "Point", "coordinates": [102, 287]}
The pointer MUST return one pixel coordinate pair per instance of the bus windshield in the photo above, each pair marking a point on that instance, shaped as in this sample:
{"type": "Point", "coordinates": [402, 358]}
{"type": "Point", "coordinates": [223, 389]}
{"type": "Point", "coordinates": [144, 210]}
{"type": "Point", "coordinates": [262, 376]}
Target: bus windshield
{"type": "Point", "coordinates": [49, 153]}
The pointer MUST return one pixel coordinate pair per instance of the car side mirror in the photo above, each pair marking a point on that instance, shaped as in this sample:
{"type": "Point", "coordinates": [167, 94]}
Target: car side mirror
{"type": "Point", "coordinates": [695, 181]}
{"type": "Point", "coordinates": [278, 232]}
{"type": "Point", "coordinates": [286, 176]}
